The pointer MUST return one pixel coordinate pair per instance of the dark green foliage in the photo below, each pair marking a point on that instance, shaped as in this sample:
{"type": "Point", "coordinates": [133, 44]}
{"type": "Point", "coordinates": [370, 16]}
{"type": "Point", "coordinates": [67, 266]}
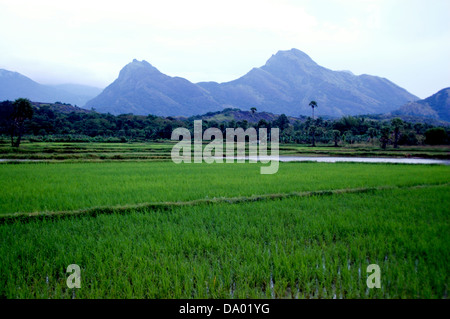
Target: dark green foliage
{"type": "Point", "coordinates": [396, 124]}
{"type": "Point", "coordinates": [282, 122]}
{"type": "Point", "coordinates": [14, 116]}
{"type": "Point", "coordinates": [384, 139]}
{"type": "Point", "coordinates": [336, 136]}
{"type": "Point", "coordinates": [436, 136]}
{"type": "Point", "coordinates": [409, 138]}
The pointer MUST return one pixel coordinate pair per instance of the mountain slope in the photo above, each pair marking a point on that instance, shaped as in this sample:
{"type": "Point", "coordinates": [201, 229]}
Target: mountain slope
{"type": "Point", "coordinates": [84, 92]}
{"type": "Point", "coordinates": [291, 79]}
{"type": "Point", "coordinates": [142, 89]}
{"type": "Point", "coordinates": [14, 85]}
{"type": "Point", "coordinates": [436, 107]}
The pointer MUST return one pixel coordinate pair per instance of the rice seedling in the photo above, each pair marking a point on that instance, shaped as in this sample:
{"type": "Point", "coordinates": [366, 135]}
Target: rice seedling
{"type": "Point", "coordinates": [37, 187]}
{"type": "Point", "coordinates": [299, 247]}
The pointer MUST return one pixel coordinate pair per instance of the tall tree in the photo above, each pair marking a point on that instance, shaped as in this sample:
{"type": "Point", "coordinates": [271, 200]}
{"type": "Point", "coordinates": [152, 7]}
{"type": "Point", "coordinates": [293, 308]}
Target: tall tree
{"type": "Point", "coordinates": [336, 136]}
{"type": "Point", "coordinates": [282, 122]}
{"type": "Point", "coordinates": [384, 139]}
{"type": "Point", "coordinates": [253, 109]}
{"type": "Point", "coordinates": [312, 132]}
{"type": "Point", "coordinates": [372, 132]}
{"type": "Point", "coordinates": [313, 105]}
{"type": "Point", "coordinates": [22, 110]}
{"type": "Point", "coordinates": [396, 124]}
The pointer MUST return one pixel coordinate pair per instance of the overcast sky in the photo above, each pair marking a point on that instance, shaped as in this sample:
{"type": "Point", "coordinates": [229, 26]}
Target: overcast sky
{"type": "Point", "coordinates": [88, 42]}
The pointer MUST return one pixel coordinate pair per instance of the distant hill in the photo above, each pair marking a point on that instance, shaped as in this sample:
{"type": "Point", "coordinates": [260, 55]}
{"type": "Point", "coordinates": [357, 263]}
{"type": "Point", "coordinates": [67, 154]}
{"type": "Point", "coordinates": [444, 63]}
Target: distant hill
{"type": "Point", "coordinates": [285, 84]}
{"type": "Point", "coordinates": [14, 85]}
{"type": "Point", "coordinates": [435, 107]}
{"type": "Point", "coordinates": [406, 118]}
{"type": "Point", "coordinates": [230, 114]}
{"type": "Point", "coordinates": [141, 89]}
{"type": "Point", "coordinates": [61, 108]}
{"type": "Point", "coordinates": [84, 92]}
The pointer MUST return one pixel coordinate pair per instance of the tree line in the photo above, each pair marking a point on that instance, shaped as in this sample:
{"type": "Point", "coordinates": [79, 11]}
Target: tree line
{"type": "Point", "coordinates": [20, 120]}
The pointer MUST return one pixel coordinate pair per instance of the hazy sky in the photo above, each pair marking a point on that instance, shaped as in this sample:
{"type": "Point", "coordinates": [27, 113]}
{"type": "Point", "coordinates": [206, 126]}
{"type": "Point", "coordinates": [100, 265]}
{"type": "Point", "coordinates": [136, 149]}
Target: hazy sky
{"type": "Point", "coordinates": [88, 42]}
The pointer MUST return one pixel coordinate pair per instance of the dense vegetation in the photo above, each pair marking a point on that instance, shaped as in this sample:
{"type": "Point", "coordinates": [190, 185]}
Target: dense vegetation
{"type": "Point", "coordinates": [50, 125]}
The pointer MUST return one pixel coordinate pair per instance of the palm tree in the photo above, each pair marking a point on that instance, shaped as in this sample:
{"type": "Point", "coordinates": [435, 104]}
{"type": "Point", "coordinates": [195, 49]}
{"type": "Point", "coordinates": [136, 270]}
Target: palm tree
{"type": "Point", "coordinates": [312, 131]}
{"type": "Point", "coordinates": [313, 104]}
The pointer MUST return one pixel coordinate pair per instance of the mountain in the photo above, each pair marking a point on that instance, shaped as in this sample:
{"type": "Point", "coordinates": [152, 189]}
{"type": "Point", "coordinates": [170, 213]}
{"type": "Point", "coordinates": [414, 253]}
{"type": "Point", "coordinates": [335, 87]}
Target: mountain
{"type": "Point", "coordinates": [285, 84]}
{"type": "Point", "coordinates": [291, 79]}
{"type": "Point", "coordinates": [435, 107]}
{"type": "Point", "coordinates": [14, 85]}
{"type": "Point", "coordinates": [142, 89]}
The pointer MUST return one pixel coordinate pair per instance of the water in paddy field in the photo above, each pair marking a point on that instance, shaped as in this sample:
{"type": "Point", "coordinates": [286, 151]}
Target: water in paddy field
{"type": "Point", "coordinates": [350, 159]}
{"type": "Point", "coordinates": [323, 159]}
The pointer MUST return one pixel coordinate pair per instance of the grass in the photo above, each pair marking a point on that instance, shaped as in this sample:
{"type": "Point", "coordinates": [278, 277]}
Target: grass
{"type": "Point", "coordinates": [36, 187]}
{"type": "Point", "coordinates": [160, 151]}
{"type": "Point", "coordinates": [301, 247]}
{"type": "Point", "coordinates": [88, 151]}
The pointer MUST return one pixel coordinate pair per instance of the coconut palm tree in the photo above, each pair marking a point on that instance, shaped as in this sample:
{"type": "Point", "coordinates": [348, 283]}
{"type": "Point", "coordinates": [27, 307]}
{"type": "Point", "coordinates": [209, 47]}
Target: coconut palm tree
{"type": "Point", "coordinates": [313, 104]}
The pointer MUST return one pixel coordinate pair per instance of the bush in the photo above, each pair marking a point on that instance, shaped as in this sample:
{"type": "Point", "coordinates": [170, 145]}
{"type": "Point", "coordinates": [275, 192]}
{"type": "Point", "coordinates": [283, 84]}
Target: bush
{"type": "Point", "coordinates": [436, 136]}
{"type": "Point", "coordinates": [408, 139]}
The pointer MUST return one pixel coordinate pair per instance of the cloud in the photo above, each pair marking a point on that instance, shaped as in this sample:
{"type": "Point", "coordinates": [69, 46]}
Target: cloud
{"type": "Point", "coordinates": [89, 41]}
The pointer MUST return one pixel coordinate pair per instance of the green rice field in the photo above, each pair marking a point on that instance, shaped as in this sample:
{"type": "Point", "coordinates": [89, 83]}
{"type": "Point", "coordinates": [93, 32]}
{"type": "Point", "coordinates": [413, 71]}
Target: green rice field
{"type": "Point", "coordinates": [40, 187]}
{"type": "Point", "coordinates": [160, 151]}
{"type": "Point", "coordinates": [143, 229]}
